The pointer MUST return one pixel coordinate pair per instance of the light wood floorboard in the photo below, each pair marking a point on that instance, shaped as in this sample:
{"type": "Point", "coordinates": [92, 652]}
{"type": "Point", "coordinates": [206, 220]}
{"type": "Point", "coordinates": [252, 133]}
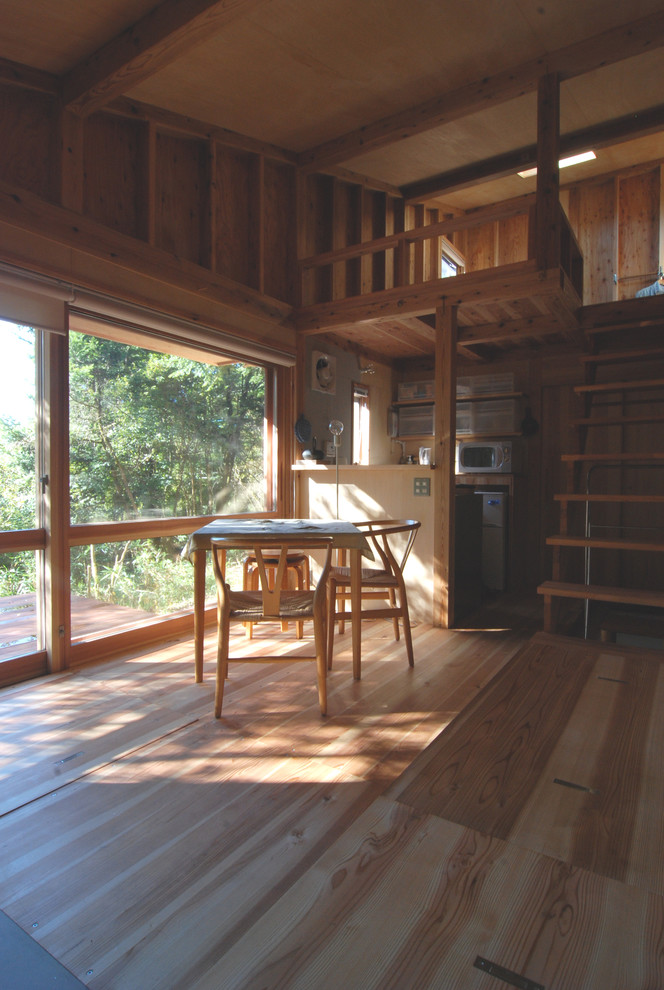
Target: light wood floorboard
{"type": "Point", "coordinates": [147, 845]}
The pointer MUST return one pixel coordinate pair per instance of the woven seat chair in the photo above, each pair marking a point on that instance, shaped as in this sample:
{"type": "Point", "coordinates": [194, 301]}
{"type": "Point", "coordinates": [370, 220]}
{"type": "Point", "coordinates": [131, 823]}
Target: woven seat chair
{"type": "Point", "coordinates": [271, 602]}
{"type": "Point", "coordinates": [391, 541]}
{"type": "Point", "coordinates": [297, 564]}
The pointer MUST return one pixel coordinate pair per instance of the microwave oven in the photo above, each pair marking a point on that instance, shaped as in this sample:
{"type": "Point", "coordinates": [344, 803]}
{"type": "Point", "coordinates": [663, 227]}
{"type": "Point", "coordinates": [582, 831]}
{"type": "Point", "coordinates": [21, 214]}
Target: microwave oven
{"type": "Point", "coordinates": [487, 457]}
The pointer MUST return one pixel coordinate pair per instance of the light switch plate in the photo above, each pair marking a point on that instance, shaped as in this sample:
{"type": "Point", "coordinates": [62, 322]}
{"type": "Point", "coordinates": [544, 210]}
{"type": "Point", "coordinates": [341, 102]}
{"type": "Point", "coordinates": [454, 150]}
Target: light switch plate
{"type": "Point", "coordinates": [421, 486]}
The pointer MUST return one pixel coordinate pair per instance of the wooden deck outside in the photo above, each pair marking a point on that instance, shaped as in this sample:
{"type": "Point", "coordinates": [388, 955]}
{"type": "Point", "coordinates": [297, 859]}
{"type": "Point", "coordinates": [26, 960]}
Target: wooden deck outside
{"type": "Point", "coordinates": [148, 845]}
{"type": "Point", "coordinates": [18, 621]}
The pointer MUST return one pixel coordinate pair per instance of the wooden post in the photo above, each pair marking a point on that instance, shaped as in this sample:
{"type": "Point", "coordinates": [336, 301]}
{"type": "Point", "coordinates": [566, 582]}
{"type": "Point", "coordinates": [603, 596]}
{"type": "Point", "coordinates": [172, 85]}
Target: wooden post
{"type": "Point", "coordinates": [54, 470]}
{"type": "Point", "coordinates": [445, 456]}
{"type": "Point", "coordinates": [71, 162]}
{"type": "Point", "coordinates": [547, 249]}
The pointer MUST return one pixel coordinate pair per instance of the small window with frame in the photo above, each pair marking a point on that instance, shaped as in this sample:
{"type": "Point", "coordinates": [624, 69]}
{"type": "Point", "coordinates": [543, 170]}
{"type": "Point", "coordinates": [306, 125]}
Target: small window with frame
{"type": "Point", "coordinates": [361, 424]}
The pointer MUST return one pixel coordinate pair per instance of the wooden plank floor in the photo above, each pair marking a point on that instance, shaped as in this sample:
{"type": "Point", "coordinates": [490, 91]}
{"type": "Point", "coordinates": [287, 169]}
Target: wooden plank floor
{"type": "Point", "coordinates": [147, 845]}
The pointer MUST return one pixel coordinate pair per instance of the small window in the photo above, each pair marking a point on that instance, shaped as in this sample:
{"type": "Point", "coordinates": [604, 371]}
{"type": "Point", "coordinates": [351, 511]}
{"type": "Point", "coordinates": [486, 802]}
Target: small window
{"type": "Point", "coordinates": [452, 261]}
{"type": "Point", "coordinates": [447, 267]}
{"type": "Point", "coordinates": [360, 424]}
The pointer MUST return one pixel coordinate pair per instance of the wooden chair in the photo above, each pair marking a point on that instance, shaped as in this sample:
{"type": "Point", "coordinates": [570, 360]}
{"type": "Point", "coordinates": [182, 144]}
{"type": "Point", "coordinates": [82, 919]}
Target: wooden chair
{"type": "Point", "coordinates": [297, 564]}
{"type": "Point", "coordinates": [391, 541]}
{"type": "Point", "coordinates": [272, 602]}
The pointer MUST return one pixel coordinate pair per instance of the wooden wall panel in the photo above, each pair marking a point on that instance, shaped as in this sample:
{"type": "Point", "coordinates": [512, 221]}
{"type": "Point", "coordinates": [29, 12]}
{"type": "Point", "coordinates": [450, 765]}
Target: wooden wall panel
{"type": "Point", "coordinates": [638, 243]}
{"type": "Point", "coordinates": [478, 246]}
{"type": "Point", "coordinates": [512, 240]}
{"type": "Point", "coordinates": [592, 215]}
{"type": "Point", "coordinates": [236, 221]}
{"type": "Point", "coordinates": [182, 198]}
{"type": "Point", "coordinates": [379, 221]}
{"type": "Point", "coordinates": [354, 236]}
{"type": "Point", "coordinates": [279, 249]}
{"type": "Point", "coordinates": [28, 148]}
{"type": "Point", "coordinates": [318, 208]}
{"type": "Point", "coordinates": [115, 168]}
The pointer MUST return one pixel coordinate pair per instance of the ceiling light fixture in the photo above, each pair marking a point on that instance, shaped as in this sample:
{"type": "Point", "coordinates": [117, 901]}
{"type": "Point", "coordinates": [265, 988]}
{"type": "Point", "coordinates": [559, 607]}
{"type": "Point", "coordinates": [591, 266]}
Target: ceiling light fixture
{"type": "Point", "coordinates": [585, 156]}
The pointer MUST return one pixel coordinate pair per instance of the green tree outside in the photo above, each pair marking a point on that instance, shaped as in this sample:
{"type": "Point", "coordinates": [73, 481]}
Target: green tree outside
{"type": "Point", "coordinates": [150, 435]}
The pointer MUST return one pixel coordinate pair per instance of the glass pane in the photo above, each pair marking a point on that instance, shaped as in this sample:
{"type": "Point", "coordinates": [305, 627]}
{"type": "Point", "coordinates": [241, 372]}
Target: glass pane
{"type": "Point", "coordinates": [157, 435]}
{"type": "Point", "coordinates": [17, 428]}
{"type": "Point", "coordinates": [18, 605]}
{"type": "Point", "coordinates": [19, 634]}
{"type": "Point", "coordinates": [115, 584]}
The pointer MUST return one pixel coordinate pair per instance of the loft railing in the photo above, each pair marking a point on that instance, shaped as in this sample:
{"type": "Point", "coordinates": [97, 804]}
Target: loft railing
{"type": "Point", "coordinates": [412, 257]}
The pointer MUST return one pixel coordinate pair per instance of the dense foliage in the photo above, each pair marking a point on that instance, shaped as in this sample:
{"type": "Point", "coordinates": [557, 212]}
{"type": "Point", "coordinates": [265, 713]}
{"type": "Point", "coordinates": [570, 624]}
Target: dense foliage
{"type": "Point", "coordinates": [150, 435]}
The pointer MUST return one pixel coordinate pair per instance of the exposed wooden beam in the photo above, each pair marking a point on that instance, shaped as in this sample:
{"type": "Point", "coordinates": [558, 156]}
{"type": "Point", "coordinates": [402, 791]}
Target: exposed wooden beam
{"type": "Point", "coordinates": [16, 74]}
{"type": "Point", "coordinates": [163, 34]}
{"type": "Point", "coordinates": [601, 50]}
{"type": "Point", "coordinates": [167, 120]}
{"type": "Point", "coordinates": [611, 132]}
{"type": "Point", "coordinates": [238, 308]}
{"type": "Point", "coordinates": [444, 464]}
{"type": "Point", "coordinates": [547, 203]}
{"type": "Point", "coordinates": [507, 331]}
{"type": "Point", "coordinates": [477, 216]}
{"type": "Point", "coordinates": [518, 280]}
{"type": "Point", "coordinates": [365, 181]}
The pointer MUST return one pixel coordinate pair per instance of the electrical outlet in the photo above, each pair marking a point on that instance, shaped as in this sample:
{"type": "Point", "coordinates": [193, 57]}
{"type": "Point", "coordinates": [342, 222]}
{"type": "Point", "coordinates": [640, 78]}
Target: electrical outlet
{"type": "Point", "coordinates": [421, 486]}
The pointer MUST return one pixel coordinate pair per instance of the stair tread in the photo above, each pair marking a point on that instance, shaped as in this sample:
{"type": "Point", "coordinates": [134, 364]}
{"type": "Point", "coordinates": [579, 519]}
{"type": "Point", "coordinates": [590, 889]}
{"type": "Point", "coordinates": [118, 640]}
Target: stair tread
{"type": "Point", "coordinates": [618, 420]}
{"type": "Point", "coordinates": [598, 497]}
{"type": "Point", "coordinates": [598, 592]}
{"type": "Point", "coordinates": [611, 357]}
{"type": "Point", "coordinates": [644, 457]}
{"type": "Point", "coordinates": [619, 386]}
{"type": "Point", "coordinates": [605, 543]}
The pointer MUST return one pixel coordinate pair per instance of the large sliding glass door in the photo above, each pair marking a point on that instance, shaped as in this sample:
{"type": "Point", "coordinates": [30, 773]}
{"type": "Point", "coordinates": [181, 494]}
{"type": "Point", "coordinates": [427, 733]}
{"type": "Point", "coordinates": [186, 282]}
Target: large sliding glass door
{"type": "Point", "coordinates": [117, 441]}
{"type": "Point", "coordinates": [21, 532]}
{"type": "Point", "coordinates": [153, 438]}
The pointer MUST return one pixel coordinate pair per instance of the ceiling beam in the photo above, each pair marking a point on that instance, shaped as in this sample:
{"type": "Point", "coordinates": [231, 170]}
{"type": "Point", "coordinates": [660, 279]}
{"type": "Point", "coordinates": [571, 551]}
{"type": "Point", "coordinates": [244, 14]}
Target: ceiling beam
{"type": "Point", "coordinates": [164, 34]}
{"type": "Point", "coordinates": [601, 50]}
{"type": "Point", "coordinates": [611, 132]}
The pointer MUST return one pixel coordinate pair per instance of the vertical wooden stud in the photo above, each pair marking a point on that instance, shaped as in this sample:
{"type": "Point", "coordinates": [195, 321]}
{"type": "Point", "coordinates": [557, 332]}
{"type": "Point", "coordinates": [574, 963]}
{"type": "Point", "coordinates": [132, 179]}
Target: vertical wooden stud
{"type": "Point", "coordinates": [54, 427]}
{"type": "Point", "coordinates": [548, 182]}
{"type": "Point", "coordinates": [445, 455]}
{"type": "Point", "coordinates": [71, 161]}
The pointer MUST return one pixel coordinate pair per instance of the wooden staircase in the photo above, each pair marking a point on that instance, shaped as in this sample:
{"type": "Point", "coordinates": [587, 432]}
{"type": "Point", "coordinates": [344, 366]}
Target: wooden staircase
{"type": "Point", "coordinates": [608, 557]}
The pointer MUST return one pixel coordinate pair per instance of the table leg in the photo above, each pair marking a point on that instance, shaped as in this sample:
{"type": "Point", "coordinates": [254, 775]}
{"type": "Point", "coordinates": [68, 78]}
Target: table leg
{"type": "Point", "coordinates": [198, 560]}
{"type": "Point", "coordinates": [356, 610]}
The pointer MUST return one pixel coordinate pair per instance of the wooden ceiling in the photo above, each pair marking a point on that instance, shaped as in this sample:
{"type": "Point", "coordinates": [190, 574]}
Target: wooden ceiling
{"type": "Point", "coordinates": [415, 96]}
{"type": "Point", "coordinates": [400, 91]}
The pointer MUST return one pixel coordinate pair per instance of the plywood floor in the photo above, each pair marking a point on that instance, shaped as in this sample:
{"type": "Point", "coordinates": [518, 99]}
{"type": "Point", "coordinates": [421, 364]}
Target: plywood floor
{"type": "Point", "coordinates": [145, 845]}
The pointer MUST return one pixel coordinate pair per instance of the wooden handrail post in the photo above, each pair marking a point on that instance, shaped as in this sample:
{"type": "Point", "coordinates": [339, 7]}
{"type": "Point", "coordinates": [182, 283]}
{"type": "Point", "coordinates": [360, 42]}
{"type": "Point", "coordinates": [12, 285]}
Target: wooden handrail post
{"type": "Point", "coordinates": [445, 455]}
{"type": "Point", "coordinates": [547, 236]}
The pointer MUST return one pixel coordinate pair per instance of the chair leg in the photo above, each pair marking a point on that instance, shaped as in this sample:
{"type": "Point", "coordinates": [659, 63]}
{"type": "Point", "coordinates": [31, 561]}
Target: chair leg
{"type": "Point", "coordinates": [222, 666]}
{"type": "Point", "coordinates": [321, 665]}
{"type": "Point", "coordinates": [299, 578]}
{"type": "Point", "coordinates": [395, 620]}
{"type": "Point", "coordinates": [406, 627]}
{"type": "Point", "coordinates": [331, 607]}
{"type": "Point", "coordinates": [249, 583]}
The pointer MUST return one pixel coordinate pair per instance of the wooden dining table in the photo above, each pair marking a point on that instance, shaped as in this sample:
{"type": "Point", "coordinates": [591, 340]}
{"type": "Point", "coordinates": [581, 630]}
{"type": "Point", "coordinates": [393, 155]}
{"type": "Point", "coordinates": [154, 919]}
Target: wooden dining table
{"type": "Point", "coordinates": [344, 536]}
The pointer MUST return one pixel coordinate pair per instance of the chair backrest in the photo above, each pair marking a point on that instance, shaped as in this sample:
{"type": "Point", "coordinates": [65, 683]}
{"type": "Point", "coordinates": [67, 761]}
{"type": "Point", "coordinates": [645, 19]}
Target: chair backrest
{"type": "Point", "coordinates": [270, 548]}
{"type": "Point", "coordinates": [383, 534]}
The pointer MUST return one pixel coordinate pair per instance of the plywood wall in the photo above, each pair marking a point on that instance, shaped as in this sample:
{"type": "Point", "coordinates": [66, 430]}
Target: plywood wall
{"type": "Point", "coordinates": [617, 224]}
{"type": "Point", "coordinates": [230, 211]}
